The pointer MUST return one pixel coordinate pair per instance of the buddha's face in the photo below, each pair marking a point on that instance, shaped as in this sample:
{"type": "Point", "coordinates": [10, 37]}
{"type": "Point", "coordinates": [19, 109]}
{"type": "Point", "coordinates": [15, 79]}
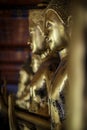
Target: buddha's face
{"type": "Point", "coordinates": [37, 39]}
{"type": "Point", "coordinates": [54, 30]}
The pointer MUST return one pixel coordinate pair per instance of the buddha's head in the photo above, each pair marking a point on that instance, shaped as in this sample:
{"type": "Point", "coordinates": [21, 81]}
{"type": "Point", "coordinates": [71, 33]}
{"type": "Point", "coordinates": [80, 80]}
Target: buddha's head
{"type": "Point", "coordinates": [56, 17]}
{"type": "Point", "coordinates": [37, 38]}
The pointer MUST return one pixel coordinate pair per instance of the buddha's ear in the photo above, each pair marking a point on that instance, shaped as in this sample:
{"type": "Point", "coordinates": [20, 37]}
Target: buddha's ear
{"type": "Point", "coordinates": [69, 21]}
{"type": "Point", "coordinates": [69, 25]}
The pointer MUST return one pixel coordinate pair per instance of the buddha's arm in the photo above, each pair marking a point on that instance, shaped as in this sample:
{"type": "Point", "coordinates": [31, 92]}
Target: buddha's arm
{"type": "Point", "coordinates": [60, 79]}
{"type": "Point", "coordinates": [44, 74]}
{"type": "Point", "coordinates": [39, 76]}
{"type": "Point", "coordinates": [38, 82]}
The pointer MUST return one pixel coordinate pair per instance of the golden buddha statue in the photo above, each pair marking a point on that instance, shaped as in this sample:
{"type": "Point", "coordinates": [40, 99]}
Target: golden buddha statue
{"type": "Point", "coordinates": [32, 64]}
{"type": "Point", "coordinates": [57, 30]}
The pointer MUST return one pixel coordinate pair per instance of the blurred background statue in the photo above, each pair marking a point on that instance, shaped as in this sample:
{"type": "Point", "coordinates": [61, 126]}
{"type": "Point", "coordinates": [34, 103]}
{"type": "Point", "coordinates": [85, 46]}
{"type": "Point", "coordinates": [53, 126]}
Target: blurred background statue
{"type": "Point", "coordinates": [33, 62]}
{"type": "Point", "coordinates": [31, 65]}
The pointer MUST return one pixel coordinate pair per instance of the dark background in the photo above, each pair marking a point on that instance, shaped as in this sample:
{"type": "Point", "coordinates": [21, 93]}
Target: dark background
{"type": "Point", "coordinates": [14, 35]}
